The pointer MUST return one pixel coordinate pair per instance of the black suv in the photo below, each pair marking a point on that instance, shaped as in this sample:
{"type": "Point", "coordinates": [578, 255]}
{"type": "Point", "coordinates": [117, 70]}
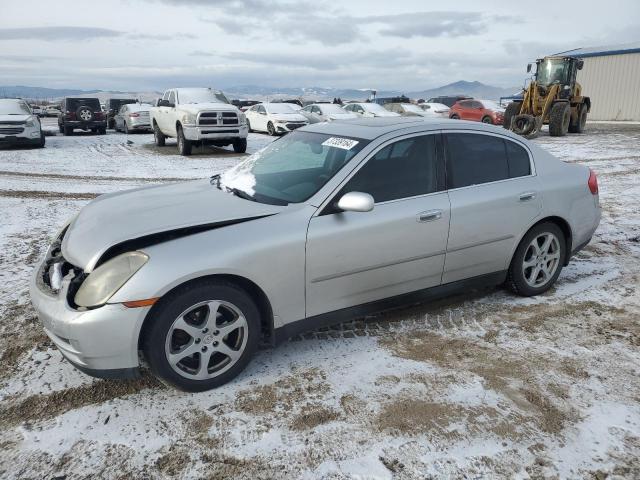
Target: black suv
{"type": "Point", "coordinates": [448, 100]}
{"type": "Point", "coordinates": [112, 108]}
{"type": "Point", "coordinates": [82, 113]}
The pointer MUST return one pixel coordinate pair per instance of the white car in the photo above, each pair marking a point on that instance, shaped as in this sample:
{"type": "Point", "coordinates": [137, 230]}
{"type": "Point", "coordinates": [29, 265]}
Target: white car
{"type": "Point", "coordinates": [406, 109]}
{"type": "Point", "coordinates": [435, 109]}
{"type": "Point", "coordinates": [326, 112]}
{"type": "Point", "coordinates": [365, 109]}
{"type": "Point", "coordinates": [274, 118]}
{"type": "Point", "coordinates": [51, 111]}
{"type": "Point", "coordinates": [18, 124]}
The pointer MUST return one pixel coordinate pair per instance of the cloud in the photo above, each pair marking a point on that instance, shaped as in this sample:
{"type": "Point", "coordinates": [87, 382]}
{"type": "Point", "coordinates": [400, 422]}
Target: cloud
{"type": "Point", "coordinates": [433, 24]}
{"type": "Point", "coordinates": [57, 33]}
{"type": "Point", "coordinates": [150, 36]}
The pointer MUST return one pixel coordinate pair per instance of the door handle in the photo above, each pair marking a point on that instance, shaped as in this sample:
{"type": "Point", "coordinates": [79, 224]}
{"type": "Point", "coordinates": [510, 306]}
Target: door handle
{"type": "Point", "coordinates": [429, 215]}
{"type": "Point", "coordinates": [524, 197]}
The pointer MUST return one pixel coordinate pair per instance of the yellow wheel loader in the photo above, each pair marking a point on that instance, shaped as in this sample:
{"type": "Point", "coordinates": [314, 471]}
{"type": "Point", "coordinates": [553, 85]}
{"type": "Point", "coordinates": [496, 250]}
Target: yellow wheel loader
{"type": "Point", "coordinates": [552, 97]}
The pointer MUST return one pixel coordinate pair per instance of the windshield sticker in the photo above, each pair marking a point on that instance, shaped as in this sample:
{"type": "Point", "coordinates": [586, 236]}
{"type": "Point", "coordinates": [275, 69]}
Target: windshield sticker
{"type": "Point", "coordinates": [339, 142]}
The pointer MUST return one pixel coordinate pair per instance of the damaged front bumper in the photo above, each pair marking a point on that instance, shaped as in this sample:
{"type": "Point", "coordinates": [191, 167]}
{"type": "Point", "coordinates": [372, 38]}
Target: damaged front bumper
{"type": "Point", "coordinates": [101, 342]}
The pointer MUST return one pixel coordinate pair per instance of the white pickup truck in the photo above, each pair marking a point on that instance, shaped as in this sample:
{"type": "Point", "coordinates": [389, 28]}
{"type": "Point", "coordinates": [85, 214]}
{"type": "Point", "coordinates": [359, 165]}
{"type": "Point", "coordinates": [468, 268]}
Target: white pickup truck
{"type": "Point", "coordinates": [198, 115]}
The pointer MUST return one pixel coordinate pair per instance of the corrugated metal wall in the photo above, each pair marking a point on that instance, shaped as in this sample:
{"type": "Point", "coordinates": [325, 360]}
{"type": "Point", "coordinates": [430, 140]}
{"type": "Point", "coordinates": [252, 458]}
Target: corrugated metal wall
{"type": "Point", "coordinates": [613, 83]}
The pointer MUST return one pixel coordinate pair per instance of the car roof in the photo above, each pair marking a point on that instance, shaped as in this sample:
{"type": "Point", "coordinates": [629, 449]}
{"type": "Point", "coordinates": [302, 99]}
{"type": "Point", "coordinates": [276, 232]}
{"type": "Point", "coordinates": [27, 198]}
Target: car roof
{"type": "Point", "coordinates": [372, 128]}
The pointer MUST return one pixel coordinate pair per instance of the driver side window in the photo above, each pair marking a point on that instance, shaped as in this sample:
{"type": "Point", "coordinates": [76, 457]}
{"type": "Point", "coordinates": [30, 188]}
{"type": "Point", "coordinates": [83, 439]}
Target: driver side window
{"type": "Point", "coordinates": [404, 169]}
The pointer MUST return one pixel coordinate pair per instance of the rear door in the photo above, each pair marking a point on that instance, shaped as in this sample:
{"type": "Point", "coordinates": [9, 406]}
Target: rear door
{"type": "Point", "coordinates": [398, 247]}
{"type": "Point", "coordinates": [494, 197]}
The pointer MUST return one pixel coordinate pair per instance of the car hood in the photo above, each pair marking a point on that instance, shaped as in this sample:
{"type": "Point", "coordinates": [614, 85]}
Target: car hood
{"type": "Point", "coordinates": [288, 117]}
{"type": "Point", "coordinates": [199, 107]}
{"type": "Point", "coordinates": [115, 218]}
{"type": "Point", "coordinates": [14, 118]}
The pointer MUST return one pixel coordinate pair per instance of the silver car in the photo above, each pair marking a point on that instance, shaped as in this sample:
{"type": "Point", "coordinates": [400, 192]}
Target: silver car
{"type": "Point", "coordinates": [133, 117]}
{"type": "Point", "coordinates": [330, 222]}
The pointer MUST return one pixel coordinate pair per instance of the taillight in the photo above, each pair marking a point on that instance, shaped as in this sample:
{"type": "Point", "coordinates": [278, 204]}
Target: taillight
{"type": "Point", "coordinates": [593, 182]}
{"type": "Point", "coordinates": [134, 115]}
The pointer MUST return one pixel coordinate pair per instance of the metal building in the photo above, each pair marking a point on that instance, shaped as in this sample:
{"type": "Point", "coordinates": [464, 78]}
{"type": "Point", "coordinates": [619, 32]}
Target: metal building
{"type": "Point", "coordinates": [611, 77]}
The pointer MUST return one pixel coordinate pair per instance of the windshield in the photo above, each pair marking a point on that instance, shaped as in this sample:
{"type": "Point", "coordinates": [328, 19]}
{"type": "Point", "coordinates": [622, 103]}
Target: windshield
{"type": "Point", "coordinates": [201, 95]}
{"type": "Point", "coordinates": [330, 108]}
{"type": "Point", "coordinates": [491, 105]}
{"type": "Point", "coordinates": [291, 169]}
{"type": "Point", "coordinates": [373, 108]}
{"type": "Point", "coordinates": [13, 107]}
{"type": "Point", "coordinates": [279, 108]}
{"type": "Point", "coordinates": [552, 71]}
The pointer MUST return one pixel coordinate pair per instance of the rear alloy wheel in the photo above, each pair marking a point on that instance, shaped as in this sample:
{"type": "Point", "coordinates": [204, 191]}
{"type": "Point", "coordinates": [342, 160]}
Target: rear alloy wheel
{"type": "Point", "coordinates": [271, 129]}
{"type": "Point", "coordinates": [487, 119]}
{"type": "Point", "coordinates": [84, 114]}
{"type": "Point", "coordinates": [559, 119]}
{"type": "Point", "coordinates": [454, 117]}
{"type": "Point", "coordinates": [538, 260]}
{"type": "Point", "coordinates": [158, 136]}
{"type": "Point", "coordinates": [184, 145]}
{"type": "Point", "coordinates": [202, 336]}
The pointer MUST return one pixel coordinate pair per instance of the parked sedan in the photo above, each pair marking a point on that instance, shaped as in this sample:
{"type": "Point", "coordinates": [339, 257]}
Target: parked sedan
{"type": "Point", "coordinates": [366, 109]}
{"type": "Point", "coordinates": [326, 112]}
{"type": "Point", "coordinates": [133, 117]}
{"type": "Point", "coordinates": [297, 237]}
{"type": "Point", "coordinates": [485, 111]}
{"type": "Point", "coordinates": [274, 118]}
{"type": "Point", "coordinates": [407, 109]}
{"type": "Point", "coordinates": [435, 109]}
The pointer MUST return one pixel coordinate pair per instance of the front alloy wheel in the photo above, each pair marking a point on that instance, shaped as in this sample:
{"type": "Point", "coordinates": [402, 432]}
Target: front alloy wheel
{"type": "Point", "coordinates": [201, 335]}
{"type": "Point", "coordinates": [206, 340]}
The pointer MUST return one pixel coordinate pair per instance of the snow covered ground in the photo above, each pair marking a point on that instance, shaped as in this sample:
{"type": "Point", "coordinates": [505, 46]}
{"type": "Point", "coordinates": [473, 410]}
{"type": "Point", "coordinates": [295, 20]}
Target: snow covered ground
{"type": "Point", "coordinates": [476, 386]}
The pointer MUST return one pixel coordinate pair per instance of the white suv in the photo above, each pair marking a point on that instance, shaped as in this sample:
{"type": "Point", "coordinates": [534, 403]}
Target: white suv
{"type": "Point", "coordinates": [18, 124]}
{"type": "Point", "coordinates": [198, 115]}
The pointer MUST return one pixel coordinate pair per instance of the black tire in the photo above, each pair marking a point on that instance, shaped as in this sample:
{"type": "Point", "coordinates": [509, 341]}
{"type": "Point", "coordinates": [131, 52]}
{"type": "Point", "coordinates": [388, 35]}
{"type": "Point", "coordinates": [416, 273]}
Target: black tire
{"type": "Point", "coordinates": [487, 119]}
{"type": "Point", "coordinates": [559, 119]}
{"type": "Point", "coordinates": [112, 123]}
{"type": "Point", "coordinates": [60, 127]}
{"type": "Point", "coordinates": [581, 122]}
{"type": "Point", "coordinates": [512, 110]}
{"type": "Point", "coordinates": [516, 281]}
{"type": "Point", "coordinates": [42, 140]}
{"type": "Point", "coordinates": [184, 145]}
{"type": "Point", "coordinates": [102, 130]}
{"type": "Point", "coordinates": [454, 117]}
{"type": "Point", "coordinates": [271, 129]}
{"type": "Point", "coordinates": [169, 308]}
{"type": "Point", "coordinates": [126, 128]}
{"type": "Point", "coordinates": [249, 126]}
{"type": "Point", "coordinates": [158, 136]}
{"type": "Point", "coordinates": [67, 131]}
{"type": "Point", "coordinates": [84, 113]}
{"type": "Point", "coordinates": [240, 145]}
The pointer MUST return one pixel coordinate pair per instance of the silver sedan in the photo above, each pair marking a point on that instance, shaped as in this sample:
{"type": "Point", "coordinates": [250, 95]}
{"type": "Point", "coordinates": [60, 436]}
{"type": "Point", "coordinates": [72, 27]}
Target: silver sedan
{"type": "Point", "coordinates": [133, 117]}
{"type": "Point", "coordinates": [332, 221]}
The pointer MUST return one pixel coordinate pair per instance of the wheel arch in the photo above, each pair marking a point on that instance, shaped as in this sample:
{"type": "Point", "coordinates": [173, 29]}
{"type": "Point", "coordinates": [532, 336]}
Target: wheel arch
{"type": "Point", "coordinates": [256, 292]}
{"type": "Point", "coordinates": [562, 224]}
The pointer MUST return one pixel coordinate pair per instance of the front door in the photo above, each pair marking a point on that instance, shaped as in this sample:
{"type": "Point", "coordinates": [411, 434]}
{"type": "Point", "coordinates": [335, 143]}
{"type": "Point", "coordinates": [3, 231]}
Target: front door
{"type": "Point", "coordinates": [398, 247]}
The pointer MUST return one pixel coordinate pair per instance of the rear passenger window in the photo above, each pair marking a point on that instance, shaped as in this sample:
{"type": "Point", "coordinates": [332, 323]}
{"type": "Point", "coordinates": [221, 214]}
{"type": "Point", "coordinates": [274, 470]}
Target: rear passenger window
{"type": "Point", "coordinates": [404, 169]}
{"type": "Point", "coordinates": [474, 159]}
{"type": "Point", "coordinates": [519, 165]}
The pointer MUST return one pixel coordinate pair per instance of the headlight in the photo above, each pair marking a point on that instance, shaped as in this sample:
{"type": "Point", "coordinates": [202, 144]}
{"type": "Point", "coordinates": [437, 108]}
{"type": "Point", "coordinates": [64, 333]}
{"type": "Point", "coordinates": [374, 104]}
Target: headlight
{"type": "Point", "coordinates": [31, 122]}
{"type": "Point", "coordinates": [108, 278]}
{"type": "Point", "coordinates": [242, 118]}
{"type": "Point", "coordinates": [189, 118]}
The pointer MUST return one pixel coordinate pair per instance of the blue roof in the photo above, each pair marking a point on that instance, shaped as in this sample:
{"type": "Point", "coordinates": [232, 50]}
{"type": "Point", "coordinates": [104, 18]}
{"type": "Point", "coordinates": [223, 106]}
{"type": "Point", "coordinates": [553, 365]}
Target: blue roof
{"type": "Point", "coordinates": [620, 49]}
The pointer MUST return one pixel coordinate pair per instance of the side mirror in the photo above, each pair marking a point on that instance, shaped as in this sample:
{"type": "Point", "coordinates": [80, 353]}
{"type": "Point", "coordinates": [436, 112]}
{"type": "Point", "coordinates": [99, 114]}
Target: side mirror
{"type": "Point", "coordinates": [580, 64]}
{"type": "Point", "coordinates": [165, 103]}
{"type": "Point", "coordinates": [528, 68]}
{"type": "Point", "coordinates": [356, 202]}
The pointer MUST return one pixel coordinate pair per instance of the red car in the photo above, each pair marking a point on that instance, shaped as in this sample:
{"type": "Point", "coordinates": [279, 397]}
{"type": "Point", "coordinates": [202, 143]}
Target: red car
{"type": "Point", "coordinates": [485, 111]}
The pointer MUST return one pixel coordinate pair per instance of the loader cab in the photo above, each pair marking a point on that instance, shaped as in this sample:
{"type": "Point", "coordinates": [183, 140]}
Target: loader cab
{"type": "Point", "coordinates": [562, 70]}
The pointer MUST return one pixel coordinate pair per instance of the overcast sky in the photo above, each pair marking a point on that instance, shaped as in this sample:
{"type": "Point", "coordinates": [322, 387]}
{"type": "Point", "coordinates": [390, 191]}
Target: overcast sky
{"type": "Point", "coordinates": [401, 44]}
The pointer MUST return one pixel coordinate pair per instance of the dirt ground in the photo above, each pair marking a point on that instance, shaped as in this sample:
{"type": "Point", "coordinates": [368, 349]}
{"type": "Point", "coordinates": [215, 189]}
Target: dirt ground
{"type": "Point", "coordinates": [481, 385]}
